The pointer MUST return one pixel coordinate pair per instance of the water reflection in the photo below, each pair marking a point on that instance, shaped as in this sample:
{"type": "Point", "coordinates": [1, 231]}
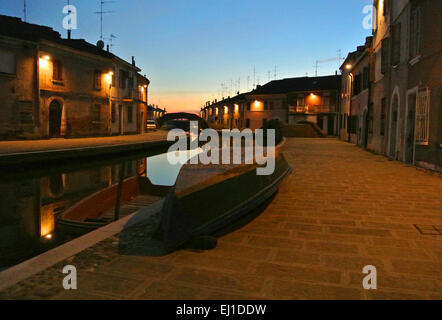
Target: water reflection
{"type": "Point", "coordinates": [29, 206]}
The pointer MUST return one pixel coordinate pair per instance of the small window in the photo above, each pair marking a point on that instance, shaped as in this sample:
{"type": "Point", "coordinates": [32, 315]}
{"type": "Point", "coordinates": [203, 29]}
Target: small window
{"type": "Point", "coordinates": [415, 26]}
{"type": "Point", "coordinates": [97, 79]}
{"type": "Point", "coordinates": [57, 72]}
{"type": "Point", "coordinates": [300, 101]}
{"type": "Point", "coordinates": [423, 117]}
{"type": "Point", "coordinates": [129, 114]}
{"type": "Point", "coordinates": [96, 112]}
{"type": "Point", "coordinates": [396, 45]}
{"type": "Point", "coordinates": [385, 55]}
{"type": "Point", "coordinates": [7, 62]}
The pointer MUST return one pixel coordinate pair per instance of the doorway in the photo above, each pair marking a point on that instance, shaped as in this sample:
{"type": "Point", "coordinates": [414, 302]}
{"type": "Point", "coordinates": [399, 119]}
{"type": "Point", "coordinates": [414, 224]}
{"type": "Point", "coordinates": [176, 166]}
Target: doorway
{"type": "Point", "coordinates": [331, 125]}
{"type": "Point", "coordinates": [55, 114]}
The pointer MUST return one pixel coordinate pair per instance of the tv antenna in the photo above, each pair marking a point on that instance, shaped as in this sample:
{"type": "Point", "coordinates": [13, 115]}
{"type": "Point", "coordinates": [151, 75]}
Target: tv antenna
{"type": "Point", "coordinates": [101, 13]}
{"type": "Point", "coordinates": [338, 58]}
{"type": "Point", "coordinates": [111, 39]}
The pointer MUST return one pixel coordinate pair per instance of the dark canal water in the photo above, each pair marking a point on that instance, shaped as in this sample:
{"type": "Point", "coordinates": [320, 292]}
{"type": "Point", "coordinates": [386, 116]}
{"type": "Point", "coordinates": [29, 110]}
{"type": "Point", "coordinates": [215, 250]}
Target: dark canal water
{"type": "Point", "coordinates": [31, 198]}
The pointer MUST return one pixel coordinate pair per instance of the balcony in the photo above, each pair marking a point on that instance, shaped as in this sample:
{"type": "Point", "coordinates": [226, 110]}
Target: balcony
{"type": "Point", "coordinates": [312, 109]}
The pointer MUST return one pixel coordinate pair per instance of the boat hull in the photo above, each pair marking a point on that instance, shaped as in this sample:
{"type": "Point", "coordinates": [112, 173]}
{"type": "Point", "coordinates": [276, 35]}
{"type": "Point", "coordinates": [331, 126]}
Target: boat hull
{"type": "Point", "coordinates": [221, 201]}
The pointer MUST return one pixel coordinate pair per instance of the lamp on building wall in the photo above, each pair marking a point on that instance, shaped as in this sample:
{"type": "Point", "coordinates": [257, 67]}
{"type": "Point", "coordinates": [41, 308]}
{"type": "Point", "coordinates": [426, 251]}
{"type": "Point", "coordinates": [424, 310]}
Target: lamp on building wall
{"type": "Point", "coordinates": [348, 66]}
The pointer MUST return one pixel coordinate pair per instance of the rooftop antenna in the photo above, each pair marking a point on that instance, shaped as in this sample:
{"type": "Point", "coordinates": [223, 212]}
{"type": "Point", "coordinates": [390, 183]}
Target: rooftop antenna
{"type": "Point", "coordinates": [111, 39]}
{"type": "Point", "coordinates": [338, 58]}
{"type": "Point", "coordinates": [24, 10]}
{"type": "Point", "coordinates": [101, 12]}
{"type": "Point", "coordinates": [254, 77]}
{"type": "Point", "coordinates": [275, 72]}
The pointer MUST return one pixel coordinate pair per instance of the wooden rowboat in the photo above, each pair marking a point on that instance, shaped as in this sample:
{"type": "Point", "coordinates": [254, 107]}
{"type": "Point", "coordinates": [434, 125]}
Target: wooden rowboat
{"type": "Point", "coordinates": [207, 198]}
{"type": "Point", "coordinates": [97, 209]}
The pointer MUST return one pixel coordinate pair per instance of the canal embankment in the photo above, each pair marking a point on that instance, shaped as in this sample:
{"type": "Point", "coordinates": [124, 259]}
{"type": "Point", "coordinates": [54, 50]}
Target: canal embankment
{"type": "Point", "coordinates": [26, 153]}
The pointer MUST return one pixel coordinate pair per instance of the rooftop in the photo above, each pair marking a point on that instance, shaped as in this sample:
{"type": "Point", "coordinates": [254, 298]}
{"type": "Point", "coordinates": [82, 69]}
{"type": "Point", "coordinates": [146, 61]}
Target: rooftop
{"type": "Point", "coordinates": [299, 84]}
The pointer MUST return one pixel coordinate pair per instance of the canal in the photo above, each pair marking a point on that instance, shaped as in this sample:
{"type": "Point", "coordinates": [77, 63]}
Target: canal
{"type": "Point", "coordinates": [33, 198]}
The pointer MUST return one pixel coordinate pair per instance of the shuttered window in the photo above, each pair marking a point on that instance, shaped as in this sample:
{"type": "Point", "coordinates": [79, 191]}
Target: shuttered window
{"type": "Point", "coordinates": [385, 55]}
{"type": "Point", "coordinates": [423, 116]}
{"type": "Point", "coordinates": [7, 62]}
{"type": "Point", "coordinates": [97, 79]}
{"type": "Point", "coordinates": [57, 70]}
{"type": "Point", "coordinates": [396, 46]}
{"type": "Point", "coordinates": [414, 30]}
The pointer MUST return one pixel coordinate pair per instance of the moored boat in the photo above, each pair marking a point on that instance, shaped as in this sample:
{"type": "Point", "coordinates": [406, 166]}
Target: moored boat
{"type": "Point", "coordinates": [207, 198]}
{"type": "Point", "coordinates": [97, 209]}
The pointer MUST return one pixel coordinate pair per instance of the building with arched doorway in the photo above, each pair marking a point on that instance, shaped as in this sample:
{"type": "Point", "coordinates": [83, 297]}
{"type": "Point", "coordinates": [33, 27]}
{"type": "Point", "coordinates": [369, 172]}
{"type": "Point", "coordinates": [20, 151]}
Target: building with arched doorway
{"type": "Point", "coordinates": [404, 114]}
{"type": "Point", "coordinates": [59, 88]}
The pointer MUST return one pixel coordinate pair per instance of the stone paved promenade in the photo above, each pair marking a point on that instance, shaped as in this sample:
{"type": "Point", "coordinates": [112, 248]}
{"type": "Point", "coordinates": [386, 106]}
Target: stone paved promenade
{"type": "Point", "coordinates": [342, 208]}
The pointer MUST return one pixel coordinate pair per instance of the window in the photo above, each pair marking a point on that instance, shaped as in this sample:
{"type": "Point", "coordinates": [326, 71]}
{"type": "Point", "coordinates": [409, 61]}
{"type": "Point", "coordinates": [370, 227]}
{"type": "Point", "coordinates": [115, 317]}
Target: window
{"type": "Point", "coordinates": [396, 46]}
{"type": "Point", "coordinates": [383, 116]}
{"type": "Point", "coordinates": [96, 112]}
{"type": "Point", "coordinates": [423, 116]}
{"type": "Point", "coordinates": [114, 113]}
{"type": "Point", "coordinates": [414, 30]}
{"type": "Point", "coordinates": [385, 55]}
{"type": "Point", "coordinates": [97, 79]}
{"type": "Point", "coordinates": [129, 114]}
{"type": "Point", "coordinates": [57, 71]}
{"type": "Point", "coordinates": [300, 101]}
{"type": "Point", "coordinates": [7, 62]}
{"type": "Point", "coordinates": [123, 78]}
{"type": "Point", "coordinates": [365, 78]}
{"type": "Point", "coordinates": [131, 80]}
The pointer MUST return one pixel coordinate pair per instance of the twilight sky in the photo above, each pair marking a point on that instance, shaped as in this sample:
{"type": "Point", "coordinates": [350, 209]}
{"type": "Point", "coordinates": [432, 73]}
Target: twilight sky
{"type": "Point", "coordinates": [189, 48]}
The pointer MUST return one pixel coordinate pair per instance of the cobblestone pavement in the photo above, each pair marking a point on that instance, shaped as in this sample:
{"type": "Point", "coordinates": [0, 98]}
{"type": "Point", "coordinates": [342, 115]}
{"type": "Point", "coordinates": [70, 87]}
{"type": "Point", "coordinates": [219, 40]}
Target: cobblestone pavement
{"type": "Point", "coordinates": [342, 208]}
{"type": "Point", "coordinates": [7, 147]}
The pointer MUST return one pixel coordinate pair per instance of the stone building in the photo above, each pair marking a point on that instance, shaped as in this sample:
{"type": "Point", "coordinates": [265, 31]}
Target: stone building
{"type": "Point", "coordinates": [292, 100]}
{"type": "Point", "coordinates": [404, 115]}
{"type": "Point", "coordinates": [355, 121]}
{"type": "Point", "coordinates": [54, 87]}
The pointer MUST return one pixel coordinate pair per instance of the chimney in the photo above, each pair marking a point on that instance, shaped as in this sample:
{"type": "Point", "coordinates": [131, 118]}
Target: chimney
{"type": "Point", "coordinates": [133, 61]}
{"type": "Point", "coordinates": [69, 34]}
{"type": "Point", "coordinates": [107, 48]}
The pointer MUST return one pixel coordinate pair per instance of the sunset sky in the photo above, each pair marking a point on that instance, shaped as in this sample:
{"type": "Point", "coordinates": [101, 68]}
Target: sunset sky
{"type": "Point", "coordinates": [188, 48]}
